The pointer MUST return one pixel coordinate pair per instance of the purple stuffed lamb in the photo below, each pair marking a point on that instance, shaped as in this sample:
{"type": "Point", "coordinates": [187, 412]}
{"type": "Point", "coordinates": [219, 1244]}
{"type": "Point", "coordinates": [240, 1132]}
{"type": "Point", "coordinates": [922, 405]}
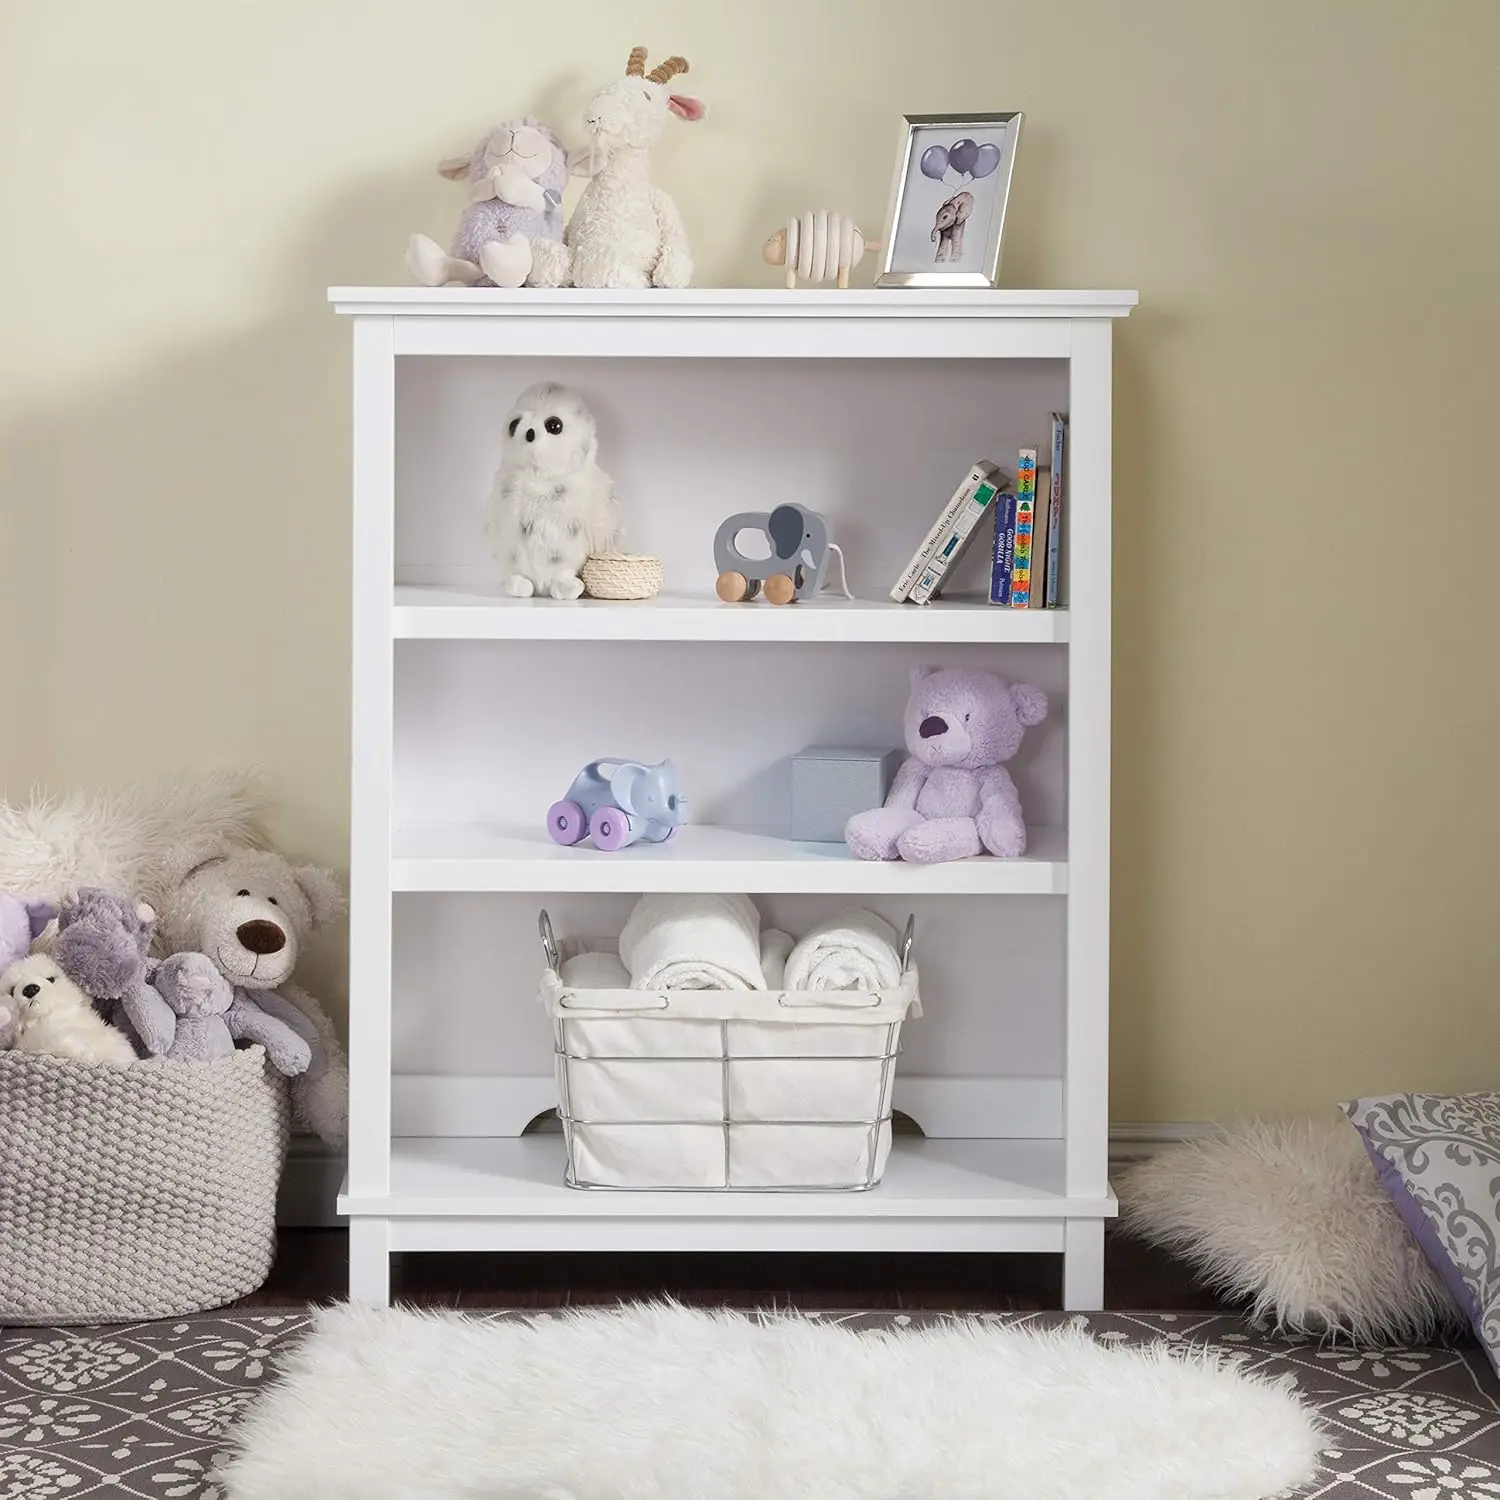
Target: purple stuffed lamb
{"type": "Point", "coordinates": [511, 234]}
{"type": "Point", "coordinates": [21, 924]}
{"type": "Point", "coordinates": [953, 797]}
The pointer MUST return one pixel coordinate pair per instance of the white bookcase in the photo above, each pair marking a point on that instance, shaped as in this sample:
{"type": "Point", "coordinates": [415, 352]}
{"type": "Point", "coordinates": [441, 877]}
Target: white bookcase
{"type": "Point", "coordinates": [472, 712]}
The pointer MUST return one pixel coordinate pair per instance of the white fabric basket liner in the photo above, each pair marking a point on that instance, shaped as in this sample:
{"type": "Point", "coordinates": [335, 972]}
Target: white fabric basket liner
{"type": "Point", "coordinates": [726, 1089]}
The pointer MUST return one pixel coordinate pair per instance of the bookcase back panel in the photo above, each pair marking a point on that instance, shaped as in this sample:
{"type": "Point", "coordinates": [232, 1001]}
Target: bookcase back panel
{"type": "Point", "coordinates": [876, 445]}
{"type": "Point", "coordinates": [466, 969]}
{"type": "Point", "coordinates": [494, 731]}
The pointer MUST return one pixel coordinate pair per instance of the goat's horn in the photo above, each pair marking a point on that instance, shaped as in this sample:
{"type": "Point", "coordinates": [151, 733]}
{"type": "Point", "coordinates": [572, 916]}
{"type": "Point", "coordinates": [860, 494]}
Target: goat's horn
{"type": "Point", "coordinates": [669, 69]}
{"type": "Point", "coordinates": [637, 64]}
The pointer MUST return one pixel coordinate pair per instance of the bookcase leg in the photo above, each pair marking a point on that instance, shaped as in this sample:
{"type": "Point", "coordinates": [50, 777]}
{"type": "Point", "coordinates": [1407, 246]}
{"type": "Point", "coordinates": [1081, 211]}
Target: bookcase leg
{"type": "Point", "coordinates": [370, 1262]}
{"type": "Point", "coordinates": [1083, 1265]}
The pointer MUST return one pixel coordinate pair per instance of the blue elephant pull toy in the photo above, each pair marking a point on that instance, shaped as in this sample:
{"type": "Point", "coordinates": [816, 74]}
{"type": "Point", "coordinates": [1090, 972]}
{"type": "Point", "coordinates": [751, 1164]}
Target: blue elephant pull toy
{"type": "Point", "coordinates": [617, 803]}
{"type": "Point", "coordinates": [799, 542]}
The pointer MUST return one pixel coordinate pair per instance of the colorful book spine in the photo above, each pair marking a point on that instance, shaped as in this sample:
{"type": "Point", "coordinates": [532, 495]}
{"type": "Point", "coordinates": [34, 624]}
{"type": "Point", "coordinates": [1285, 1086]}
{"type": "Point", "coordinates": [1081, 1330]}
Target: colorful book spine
{"type": "Point", "coordinates": [1020, 578]}
{"type": "Point", "coordinates": [1003, 560]}
{"type": "Point", "coordinates": [954, 543]}
{"type": "Point", "coordinates": [1037, 599]}
{"type": "Point", "coordinates": [982, 471]}
{"type": "Point", "coordinates": [1054, 519]}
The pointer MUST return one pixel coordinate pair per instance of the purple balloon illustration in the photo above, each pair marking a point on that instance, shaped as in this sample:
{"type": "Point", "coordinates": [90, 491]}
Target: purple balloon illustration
{"type": "Point", "coordinates": [963, 154]}
{"type": "Point", "coordinates": [986, 159]}
{"type": "Point", "coordinates": [935, 162]}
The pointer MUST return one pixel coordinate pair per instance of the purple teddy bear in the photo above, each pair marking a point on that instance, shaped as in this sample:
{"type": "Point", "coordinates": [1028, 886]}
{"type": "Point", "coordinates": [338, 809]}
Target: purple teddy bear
{"type": "Point", "coordinates": [953, 797]}
{"type": "Point", "coordinates": [511, 234]}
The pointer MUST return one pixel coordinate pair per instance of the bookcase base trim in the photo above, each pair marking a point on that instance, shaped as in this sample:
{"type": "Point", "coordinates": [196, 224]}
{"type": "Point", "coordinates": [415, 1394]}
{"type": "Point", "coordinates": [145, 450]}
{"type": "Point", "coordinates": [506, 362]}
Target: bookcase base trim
{"type": "Point", "coordinates": [726, 1237]}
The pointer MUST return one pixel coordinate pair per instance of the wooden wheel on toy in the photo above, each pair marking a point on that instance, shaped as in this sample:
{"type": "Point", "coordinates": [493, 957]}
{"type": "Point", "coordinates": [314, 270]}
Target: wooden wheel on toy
{"type": "Point", "coordinates": [735, 588]}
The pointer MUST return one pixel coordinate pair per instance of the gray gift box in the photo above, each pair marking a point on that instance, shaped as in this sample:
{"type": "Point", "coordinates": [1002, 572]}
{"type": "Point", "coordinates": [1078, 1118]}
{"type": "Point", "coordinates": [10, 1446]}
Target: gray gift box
{"type": "Point", "coordinates": [830, 783]}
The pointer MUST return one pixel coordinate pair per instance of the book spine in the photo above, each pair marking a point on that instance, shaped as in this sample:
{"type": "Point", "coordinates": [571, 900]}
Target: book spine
{"type": "Point", "coordinates": [953, 545]}
{"type": "Point", "coordinates": [1054, 506]}
{"type": "Point", "coordinates": [1005, 548]}
{"type": "Point", "coordinates": [1037, 598]}
{"type": "Point", "coordinates": [923, 555]}
{"type": "Point", "coordinates": [1020, 578]}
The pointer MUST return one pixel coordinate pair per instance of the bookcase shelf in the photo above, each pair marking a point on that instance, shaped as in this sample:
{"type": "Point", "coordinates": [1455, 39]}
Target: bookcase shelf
{"type": "Point", "coordinates": [482, 857]}
{"type": "Point", "coordinates": [460, 614]}
{"type": "Point", "coordinates": [471, 712]}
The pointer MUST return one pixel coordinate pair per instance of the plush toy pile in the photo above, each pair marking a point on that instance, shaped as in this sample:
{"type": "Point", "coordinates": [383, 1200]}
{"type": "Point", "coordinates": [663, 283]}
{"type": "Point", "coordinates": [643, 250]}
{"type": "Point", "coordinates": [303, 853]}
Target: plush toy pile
{"type": "Point", "coordinates": [199, 964]}
{"type": "Point", "coordinates": [625, 232]}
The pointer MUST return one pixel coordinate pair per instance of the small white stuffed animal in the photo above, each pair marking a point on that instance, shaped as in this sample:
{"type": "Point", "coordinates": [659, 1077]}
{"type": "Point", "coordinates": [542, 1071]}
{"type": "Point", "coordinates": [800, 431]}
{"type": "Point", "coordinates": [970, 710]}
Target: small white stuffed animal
{"type": "Point", "coordinates": [551, 505]}
{"type": "Point", "coordinates": [54, 1015]}
{"type": "Point", "coordinates": [626, 232]}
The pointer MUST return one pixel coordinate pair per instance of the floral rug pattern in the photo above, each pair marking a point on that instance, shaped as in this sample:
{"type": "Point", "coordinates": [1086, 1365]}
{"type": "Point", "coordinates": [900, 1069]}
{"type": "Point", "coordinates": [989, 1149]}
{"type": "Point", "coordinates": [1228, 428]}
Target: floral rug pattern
{"type": "Point", "coordinates": [136, 1411]}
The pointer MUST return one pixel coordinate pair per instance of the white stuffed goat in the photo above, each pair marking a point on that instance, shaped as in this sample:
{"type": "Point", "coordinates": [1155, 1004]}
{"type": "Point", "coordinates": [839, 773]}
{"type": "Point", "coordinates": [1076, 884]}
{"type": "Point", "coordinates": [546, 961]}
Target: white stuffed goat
{"type": "Point", "coordinates": [624, 232]}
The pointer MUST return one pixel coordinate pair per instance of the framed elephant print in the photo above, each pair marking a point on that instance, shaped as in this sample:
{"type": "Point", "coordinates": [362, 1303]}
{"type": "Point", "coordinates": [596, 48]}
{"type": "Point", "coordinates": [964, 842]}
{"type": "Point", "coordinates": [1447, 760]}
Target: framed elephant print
{"type": "Point", "coordinates": [947, 213]}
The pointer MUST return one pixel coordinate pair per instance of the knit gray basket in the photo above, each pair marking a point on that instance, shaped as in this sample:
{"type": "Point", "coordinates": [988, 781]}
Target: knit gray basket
{"type": "Point", "coordinates": [139, 1192]}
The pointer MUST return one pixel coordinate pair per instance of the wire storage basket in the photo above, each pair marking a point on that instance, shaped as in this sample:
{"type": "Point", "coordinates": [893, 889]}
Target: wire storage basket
{"type": "Point", "coordinates": [724, 1090]}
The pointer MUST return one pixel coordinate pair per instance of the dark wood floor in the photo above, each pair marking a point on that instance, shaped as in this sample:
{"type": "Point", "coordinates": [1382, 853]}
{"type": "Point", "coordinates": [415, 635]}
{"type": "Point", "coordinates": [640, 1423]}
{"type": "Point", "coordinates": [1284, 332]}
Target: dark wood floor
{"type": "Point", "coordinates": [312, 1266]}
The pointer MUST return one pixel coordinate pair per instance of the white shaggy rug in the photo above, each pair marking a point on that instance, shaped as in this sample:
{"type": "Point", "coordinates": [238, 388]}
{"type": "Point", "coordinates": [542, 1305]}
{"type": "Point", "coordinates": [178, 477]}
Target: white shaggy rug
{"type": "Point", "coordinates": [664, 1403]}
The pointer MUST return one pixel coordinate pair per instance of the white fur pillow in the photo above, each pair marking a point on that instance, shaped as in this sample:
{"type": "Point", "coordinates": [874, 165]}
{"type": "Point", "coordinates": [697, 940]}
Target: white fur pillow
{"type": "Point", "coordinates": [122, 839]}
{"type": "Point", "coordinates": [1292, 1217]}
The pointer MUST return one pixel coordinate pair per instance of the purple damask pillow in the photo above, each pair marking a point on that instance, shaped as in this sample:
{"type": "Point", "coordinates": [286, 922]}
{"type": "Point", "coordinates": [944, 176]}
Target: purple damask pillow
{"type": "Point", "coordinates": [1438, 1156]}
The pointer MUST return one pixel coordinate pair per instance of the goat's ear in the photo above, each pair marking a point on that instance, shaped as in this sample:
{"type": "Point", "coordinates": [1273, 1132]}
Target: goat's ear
{"type": "Point", "coordinates": [454, 167]}
{"type": "Point", "coordinates": [685, 107]}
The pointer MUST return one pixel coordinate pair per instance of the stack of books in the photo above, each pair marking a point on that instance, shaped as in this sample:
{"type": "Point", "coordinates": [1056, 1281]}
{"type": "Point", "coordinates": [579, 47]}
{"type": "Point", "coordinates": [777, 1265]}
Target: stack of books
{"type": "Point", "coordinates": [1026, 557]}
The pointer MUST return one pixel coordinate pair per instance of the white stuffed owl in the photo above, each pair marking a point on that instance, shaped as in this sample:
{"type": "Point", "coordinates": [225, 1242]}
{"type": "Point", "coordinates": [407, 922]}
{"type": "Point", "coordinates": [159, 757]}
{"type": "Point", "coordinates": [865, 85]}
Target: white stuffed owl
{"type": "Point", "coordinates": [551, 505]}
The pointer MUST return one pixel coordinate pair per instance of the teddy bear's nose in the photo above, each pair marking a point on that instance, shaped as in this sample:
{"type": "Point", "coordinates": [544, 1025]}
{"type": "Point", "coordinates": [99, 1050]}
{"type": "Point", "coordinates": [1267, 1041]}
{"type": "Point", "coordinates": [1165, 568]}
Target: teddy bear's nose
{"type": "Point", "coordinates": [31, 991]}
{"type": "Point", "coordinates": [261, 937]}
{"type": "Point", "coordinates": [933, 726]}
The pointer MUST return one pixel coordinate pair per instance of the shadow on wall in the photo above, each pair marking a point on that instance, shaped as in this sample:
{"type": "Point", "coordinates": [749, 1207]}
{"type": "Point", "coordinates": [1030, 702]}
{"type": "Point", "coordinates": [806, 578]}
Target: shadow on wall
{"type": "Point", "coordinates": [188, 525]}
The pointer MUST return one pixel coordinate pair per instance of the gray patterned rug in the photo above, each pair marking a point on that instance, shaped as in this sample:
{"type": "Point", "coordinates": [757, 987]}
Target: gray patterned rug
{"type": "Point", "coordinates": [135, 1412]}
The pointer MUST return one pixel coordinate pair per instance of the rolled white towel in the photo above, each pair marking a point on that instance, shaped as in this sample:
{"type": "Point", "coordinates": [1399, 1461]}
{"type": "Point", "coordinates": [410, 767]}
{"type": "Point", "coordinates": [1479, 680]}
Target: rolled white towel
{"type": "Point", "coordinates": [595, 971]}
{"type": "Point", "coordinates": [693, 942]}
{"type": "Point", "coordinates": [775, 949]}
{"type": "Point", "coordinates": [855, 950]}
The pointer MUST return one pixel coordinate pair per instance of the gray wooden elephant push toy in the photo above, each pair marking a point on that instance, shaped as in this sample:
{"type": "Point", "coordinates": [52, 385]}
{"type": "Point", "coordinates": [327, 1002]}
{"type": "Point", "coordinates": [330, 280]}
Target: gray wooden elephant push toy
{"type": "Point", "coordinates": [799, 542]}
{"type": "Point", "coordinates": [619, 802]}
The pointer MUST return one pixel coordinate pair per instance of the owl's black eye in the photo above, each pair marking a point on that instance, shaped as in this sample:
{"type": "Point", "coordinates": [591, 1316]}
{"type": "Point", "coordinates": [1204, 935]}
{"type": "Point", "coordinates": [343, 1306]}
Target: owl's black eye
{"type": "Point", "coordinates": [273, 901]}
{"type": "Point", "coordinates": [242, 893]}
{"type": "Point", "coordinates": [553, 425]}
{"type": "Point", "coordinates": [515, 422]}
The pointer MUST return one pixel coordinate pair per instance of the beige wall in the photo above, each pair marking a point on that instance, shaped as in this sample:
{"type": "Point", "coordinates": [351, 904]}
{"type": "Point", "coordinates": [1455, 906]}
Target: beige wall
{"type": "Point", "coordinates": [1305, 193]}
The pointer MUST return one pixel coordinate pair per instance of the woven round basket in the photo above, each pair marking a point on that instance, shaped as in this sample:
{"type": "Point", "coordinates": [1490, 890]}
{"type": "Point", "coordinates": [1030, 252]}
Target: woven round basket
{"type": "Point", "coordinates": [139, 1192]}
{"type": "Point", "coordinates": [622, 575]}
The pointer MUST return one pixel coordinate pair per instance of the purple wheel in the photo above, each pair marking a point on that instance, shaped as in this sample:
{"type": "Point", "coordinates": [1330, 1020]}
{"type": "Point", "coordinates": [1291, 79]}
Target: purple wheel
{"type": "Point", "coordinates": [566, 823]}
{"type": "Point", "coordinates": [610, 828]}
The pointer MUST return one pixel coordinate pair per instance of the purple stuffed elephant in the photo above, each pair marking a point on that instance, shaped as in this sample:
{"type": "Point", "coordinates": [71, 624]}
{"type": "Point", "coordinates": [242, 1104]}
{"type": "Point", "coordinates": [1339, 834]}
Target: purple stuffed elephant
{"type": "Point", "coordinates": [511, 234]}
{"type": "Point", "coordinates": [953, 797]}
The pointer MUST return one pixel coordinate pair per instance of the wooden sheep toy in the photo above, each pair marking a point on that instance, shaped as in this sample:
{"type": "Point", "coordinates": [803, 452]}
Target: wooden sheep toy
{"type": "Point", "coordinates": [817, 245]}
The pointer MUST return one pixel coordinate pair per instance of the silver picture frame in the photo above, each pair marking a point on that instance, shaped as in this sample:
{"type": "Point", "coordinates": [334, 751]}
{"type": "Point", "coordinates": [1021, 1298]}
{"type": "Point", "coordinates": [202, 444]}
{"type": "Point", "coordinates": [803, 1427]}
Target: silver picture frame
{"type": "Point", "coordinates": [897, 263]}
